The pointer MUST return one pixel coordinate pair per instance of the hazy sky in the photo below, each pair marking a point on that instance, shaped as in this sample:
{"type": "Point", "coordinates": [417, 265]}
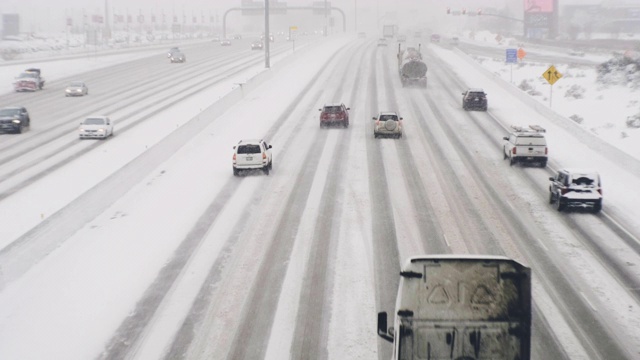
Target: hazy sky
{"type": "Point", "coordinates": [49, 15]}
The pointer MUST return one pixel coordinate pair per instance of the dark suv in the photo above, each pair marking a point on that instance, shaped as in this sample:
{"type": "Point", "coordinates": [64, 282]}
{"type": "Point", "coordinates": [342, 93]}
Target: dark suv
{"type": "Point", "coordinates": [577, 188]}
{"type": "Point", "coordinates": [334, 114]}
{"type": "Point", "coordinates": [474, 99]}
{"type": "Point", "coordinates": [14, 119]}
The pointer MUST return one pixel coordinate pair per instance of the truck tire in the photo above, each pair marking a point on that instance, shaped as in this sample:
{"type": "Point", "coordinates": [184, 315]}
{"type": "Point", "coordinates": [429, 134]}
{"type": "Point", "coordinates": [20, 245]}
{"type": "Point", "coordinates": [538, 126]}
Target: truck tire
{"type": "Point", "coordinates": [559, 205]}
{"type": "Point", "coordinates": [597, 207]}
{"type": "Point", "coordinates": [266, 170]}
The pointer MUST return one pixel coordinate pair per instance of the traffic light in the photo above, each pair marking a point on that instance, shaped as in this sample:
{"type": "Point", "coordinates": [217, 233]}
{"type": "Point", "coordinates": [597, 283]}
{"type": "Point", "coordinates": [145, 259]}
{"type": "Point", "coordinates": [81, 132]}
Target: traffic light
{"type": "Point", "coordinates": [464, 11]}
{"type": "Point", "coordinates": [448, 10]}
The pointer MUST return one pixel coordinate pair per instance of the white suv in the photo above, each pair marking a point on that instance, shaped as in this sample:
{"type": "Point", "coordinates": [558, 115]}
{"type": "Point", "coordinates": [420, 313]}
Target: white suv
{"type": "Point", "coordinates": [526, 145]}
{"type": "Point", "coordinates": [252, 154]}
{"type": "Point", "coordinates": [387, 124]}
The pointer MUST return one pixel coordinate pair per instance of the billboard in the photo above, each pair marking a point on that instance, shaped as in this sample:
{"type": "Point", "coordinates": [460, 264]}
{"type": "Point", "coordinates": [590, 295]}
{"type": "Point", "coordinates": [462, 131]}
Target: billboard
{"type": "Point", "coordinates": [544, 6]}
{"type": "Point", "coordinates": [10, 25]}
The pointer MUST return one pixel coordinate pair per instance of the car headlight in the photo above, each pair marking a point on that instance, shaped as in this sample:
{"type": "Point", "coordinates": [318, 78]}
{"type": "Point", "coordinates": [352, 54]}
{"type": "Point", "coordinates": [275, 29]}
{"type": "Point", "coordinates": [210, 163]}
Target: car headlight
{"type": "Point", "coordinates": [16, 121]}
{"type": "Point", "coordinates": [68, 90]}
{"type": "Point", "coordinates": [81, 129]}
{"type": "Point", "coordinates": [101, 130]}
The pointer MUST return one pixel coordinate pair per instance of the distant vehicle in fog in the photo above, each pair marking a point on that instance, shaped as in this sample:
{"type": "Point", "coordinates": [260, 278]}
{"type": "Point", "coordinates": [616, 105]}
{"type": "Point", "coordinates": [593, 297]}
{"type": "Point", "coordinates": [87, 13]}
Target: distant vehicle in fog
{"type": "Point", "coordinates": [76, 88]}
{"type": "Point", "coordinates": [29, 80]}
{"type": "Point", "coordinates": [225, 42]}
{"type": "Point", "coordinates": [435, 38]}
{"type": "Point", "coordinates": [177, 57]}
{"type": "Point", "coordinates": [256, 45]}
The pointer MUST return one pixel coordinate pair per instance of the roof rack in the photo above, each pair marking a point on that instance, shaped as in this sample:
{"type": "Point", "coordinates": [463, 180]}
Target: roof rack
{"type": "Point", "coordinates": [532, 128]}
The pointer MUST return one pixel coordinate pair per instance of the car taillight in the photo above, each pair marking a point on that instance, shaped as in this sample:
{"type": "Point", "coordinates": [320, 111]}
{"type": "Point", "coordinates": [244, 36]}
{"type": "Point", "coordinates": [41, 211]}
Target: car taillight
{"type": "Point", "coordinates": [234, 157]}
{"type": "Point", "coordinates": [513, 151]}
{"type": "Point", "coordinates": [264, 156]}
{"type": "Point", "coordinates": [564, 191]}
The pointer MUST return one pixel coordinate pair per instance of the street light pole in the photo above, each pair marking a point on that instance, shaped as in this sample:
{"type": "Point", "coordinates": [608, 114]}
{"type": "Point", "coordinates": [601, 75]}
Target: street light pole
{"type": "Point", "coordinates": [326, 16]}
{"type": "Point", "coordinates": [267, 38]}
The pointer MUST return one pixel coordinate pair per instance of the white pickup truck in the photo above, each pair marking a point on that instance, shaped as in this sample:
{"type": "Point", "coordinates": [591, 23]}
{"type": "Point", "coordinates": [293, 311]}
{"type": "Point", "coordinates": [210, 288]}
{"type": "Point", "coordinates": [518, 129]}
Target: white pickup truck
{"type": "Point", "coordinates": [526, 145]}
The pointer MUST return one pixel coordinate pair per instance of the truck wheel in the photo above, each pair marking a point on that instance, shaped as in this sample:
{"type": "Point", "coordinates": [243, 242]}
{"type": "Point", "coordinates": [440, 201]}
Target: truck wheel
{"type": "Point", "coordinates": [266, 170]}
{"type": "Point", "coordinates": [559, 204]}
{"type": "Point", "coordinates": [236, 172]}
{"type": "Point", "coordinates": [597, 207]}
{"type": "Point", "coordinates": [19, 131]}
{"type": "Point", "coordinates": [511, 161]}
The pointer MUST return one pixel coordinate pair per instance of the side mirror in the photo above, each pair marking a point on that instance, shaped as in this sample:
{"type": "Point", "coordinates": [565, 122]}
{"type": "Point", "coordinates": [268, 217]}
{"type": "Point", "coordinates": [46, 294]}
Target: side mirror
{"type": "Point", "coordinates": [270, 146]}
{"type": "Point", "coordinates": [319, 109]}
{"type": "Point", "coordinates": [234, 147]}
{"type": "Point", "coordinates": [505, 138]}
{"type": "Point", "coordinates": [464, 93]}
{"type": "Point", "coordinates": [348, 108]}
{"type": "Point", "coordinates": [401, 119]}
{"type": "Point", "coordinates": [374, 118]}
{"type": "Point", "coordinates": [383, 332]}
{"type": "Point", "coordinates": [552, 178]}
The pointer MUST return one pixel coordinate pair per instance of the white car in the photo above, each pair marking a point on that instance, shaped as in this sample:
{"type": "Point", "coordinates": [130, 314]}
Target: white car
{"type": "Point", "coordinates": [96, 127]}
{"type": "Point", "coordinates": [76, 88]}
{"type": "Point", "coordinates": [252, 154]}
{"type": "Point", "coordinates": [387, 123]}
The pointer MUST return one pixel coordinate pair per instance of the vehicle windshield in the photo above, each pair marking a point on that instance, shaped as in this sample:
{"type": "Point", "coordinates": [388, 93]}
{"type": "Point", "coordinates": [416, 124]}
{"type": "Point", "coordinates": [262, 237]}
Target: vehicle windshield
{"type": "Point", "coordinates": [9, 112]}
{"type": "Point", "coordinates": [75, 84]}
{"type": "Point", "coordinates": [27, 75]}
{"type": "Point", "coordinates": [332, 109]}
{"type": "Point", "coordinates": [388, 117]}
{"type": "Point", "coordinates": [94, 121]}
{"type": "Point", "coordinates": [249, 149]}
{"type": "Point", "coordinates": [477, 94]}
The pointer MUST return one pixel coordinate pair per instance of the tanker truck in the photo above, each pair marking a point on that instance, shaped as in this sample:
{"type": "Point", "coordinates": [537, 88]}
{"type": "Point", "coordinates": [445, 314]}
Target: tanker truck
{"type": "Point", "coordinates": [463, 307]}
{"type": "Point", "coordinates": [412, 70]}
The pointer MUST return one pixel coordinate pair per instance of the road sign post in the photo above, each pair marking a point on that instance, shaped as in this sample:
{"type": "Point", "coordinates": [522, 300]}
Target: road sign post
{"type": "Point", "coordinates": [551, 75]}
{"type": "Point", "coordinates": [512, 58]}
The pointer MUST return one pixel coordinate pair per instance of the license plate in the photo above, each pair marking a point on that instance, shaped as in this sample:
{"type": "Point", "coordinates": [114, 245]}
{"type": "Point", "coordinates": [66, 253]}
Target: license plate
{"type": "Point", "coordinates": [249, 158]}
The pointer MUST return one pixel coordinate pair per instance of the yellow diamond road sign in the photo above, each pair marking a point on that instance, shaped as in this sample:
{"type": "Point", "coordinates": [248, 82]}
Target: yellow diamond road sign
{"type": "Point", "coordinates": [552, 75]}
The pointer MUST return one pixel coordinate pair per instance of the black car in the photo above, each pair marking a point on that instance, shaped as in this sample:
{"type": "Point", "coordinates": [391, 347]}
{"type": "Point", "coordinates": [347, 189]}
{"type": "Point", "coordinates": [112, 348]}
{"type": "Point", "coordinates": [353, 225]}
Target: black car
{"type": "Point", "coordinates": [474, 99]}
{"type": "Point", "coordinates": [14, 119]}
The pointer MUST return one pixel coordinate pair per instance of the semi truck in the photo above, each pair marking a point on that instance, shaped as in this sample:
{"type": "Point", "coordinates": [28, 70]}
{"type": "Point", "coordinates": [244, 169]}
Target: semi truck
{"type": "Point", "coordinates": [411, 68]}
{"type": "Point", "coordinates": [461, 307]}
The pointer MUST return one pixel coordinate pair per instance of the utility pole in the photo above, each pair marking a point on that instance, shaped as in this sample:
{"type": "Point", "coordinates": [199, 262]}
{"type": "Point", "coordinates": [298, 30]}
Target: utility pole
{"type": "Point", "coordinates": [326, 16]}
{"type": "Point", "coordinates": [267, 38]}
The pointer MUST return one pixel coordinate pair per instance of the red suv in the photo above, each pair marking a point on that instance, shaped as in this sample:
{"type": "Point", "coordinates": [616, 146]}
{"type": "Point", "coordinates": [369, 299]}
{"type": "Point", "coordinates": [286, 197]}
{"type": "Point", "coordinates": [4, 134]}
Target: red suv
{"type": "Point", "coordinates": [334, 114]}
